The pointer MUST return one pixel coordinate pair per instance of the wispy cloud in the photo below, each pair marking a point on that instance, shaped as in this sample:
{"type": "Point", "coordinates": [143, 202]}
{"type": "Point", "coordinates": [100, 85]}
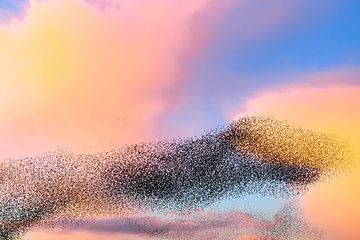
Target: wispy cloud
{"type": "Point", "coordinates": [234, 225]}
{"type": "Point", "coordinates": [326, 101]}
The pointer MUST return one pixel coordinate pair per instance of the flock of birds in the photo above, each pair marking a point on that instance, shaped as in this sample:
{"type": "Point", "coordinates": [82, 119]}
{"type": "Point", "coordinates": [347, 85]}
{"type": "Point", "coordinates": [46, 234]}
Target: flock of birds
{"type": "Point", "coordinates": [251, 155]}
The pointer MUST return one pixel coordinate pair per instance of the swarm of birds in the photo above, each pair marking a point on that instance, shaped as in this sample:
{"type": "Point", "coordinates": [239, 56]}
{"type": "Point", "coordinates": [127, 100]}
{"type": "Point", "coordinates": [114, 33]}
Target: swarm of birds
{"type": "Point", "coordinates": [250, 155]}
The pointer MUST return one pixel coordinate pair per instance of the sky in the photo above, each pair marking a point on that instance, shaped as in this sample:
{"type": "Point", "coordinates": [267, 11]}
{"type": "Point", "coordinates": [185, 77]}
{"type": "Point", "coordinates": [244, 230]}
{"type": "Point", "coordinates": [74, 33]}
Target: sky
{"type": "Point", "coordinates": [93, 74]}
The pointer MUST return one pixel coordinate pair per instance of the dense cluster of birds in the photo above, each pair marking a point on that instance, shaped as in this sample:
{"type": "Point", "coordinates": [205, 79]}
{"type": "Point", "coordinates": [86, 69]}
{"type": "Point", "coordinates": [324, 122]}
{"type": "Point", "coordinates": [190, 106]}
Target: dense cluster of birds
{"type": "Point", "coordinates": [250, 155]}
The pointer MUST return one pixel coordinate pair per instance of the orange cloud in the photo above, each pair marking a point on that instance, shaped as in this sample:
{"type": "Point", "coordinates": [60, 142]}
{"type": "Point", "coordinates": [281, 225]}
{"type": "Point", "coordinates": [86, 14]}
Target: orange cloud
{"type": "Point", "coordinates": [331, 205]}
{"type": "Point", "coordinates": [72, 75]}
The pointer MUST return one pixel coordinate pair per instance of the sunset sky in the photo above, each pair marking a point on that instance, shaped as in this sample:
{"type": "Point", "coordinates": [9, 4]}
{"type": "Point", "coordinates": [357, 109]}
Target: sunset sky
{"type": "Point", "coordinates": [86, 75]}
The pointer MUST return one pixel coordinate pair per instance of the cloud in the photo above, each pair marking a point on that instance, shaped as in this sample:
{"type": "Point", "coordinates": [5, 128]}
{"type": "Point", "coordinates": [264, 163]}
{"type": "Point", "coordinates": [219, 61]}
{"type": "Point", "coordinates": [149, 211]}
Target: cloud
{"type": "Point", "coordinates": [234, 225]}
{"type": "Point", "coordinates": [327, 102]}
{"type": "Point", "coordinates": [74, 76]}
{"type": "Point", "coordinates": [185, 226]}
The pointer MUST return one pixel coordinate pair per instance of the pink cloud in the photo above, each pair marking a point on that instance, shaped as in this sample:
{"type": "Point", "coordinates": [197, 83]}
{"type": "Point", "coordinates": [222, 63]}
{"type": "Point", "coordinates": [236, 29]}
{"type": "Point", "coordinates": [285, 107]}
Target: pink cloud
{"type": "Point", "coordinates": [73, 76]}
{"type": "Point", "coordinates": [233, 225]}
